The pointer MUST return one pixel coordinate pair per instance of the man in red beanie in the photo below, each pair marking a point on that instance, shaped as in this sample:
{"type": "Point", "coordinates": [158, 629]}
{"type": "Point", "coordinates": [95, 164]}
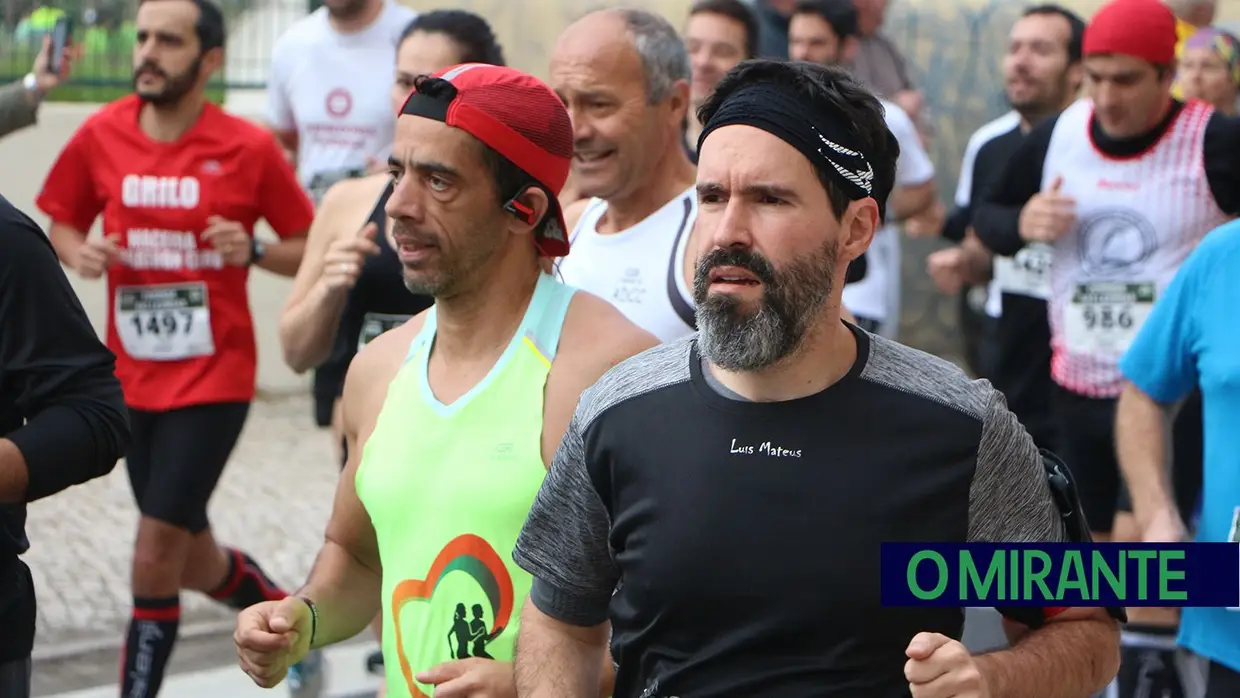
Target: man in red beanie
{"type": "Point", "coordinates": [1122, 186]}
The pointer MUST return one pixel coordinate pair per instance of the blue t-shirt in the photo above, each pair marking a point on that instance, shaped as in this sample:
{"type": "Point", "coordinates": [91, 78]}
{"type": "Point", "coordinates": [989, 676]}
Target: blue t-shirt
{"type": "Point", "coordinates": [1192, 338]}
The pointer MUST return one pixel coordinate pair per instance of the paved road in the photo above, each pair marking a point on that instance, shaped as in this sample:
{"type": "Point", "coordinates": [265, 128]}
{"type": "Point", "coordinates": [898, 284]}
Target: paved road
{"type": "Point", "coordinates": [273, 501]}
{"type": "Point", "coordinates": [346, 675]}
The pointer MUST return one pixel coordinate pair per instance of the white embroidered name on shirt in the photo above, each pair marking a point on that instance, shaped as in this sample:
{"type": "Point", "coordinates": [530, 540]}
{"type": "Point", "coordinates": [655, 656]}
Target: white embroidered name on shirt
{"type": "Point", "coordinates": [766, 448]}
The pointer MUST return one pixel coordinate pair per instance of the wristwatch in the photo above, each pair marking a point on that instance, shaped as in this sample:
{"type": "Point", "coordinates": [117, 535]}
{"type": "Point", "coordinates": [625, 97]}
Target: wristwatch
{"type": "Point", "coordinates": [31, 83]}
{"type": "Point", "coordinates": [257, 250]}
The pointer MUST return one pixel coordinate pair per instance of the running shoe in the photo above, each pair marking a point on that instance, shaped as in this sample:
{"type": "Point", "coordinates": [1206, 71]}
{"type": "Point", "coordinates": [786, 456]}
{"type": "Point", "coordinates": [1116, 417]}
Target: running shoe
{"type": "Point", "coordinates": [305, 679]}
{"type": "Point", "coordinates": [374, 663]}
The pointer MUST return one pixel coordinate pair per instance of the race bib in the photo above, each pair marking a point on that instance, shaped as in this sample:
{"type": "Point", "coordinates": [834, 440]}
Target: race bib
{"type": "Point", "coordinates": [375, 324]}
{"type": "Point", "coordinates": [164, 323]}
{"type": "Point", "coordinates": [1103, 317]}
{"type": "Point", "coordinates": [322, 181]}
{"type": "Point", "coordinates": [1026, 274]}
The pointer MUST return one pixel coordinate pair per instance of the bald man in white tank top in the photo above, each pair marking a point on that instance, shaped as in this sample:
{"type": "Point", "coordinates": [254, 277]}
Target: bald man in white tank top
{"type": "Point", "coordinates": [632, 229]}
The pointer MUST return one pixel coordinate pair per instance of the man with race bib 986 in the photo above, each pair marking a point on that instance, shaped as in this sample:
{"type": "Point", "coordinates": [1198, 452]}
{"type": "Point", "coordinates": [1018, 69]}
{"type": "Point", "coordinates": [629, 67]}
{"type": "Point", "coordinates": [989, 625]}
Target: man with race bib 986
{"type": "Point", "coordinates": [180, 185]}
{"type": "Point", "coordinates": [1122, 187]}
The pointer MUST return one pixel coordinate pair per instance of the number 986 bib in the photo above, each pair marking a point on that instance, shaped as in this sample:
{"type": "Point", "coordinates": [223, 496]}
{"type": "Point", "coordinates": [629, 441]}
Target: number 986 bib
{"type": "Point", "coordinates": [164, 323]}
{"type": "Point", "coordinates": [1104, 317]}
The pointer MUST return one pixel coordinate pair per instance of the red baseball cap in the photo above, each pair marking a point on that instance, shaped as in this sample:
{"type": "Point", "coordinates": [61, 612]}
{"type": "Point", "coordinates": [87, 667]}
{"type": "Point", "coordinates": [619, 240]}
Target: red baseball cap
{"type": "Point", "coordinates": [1139, 28]}
{"type": "Point", "coordinates": [516, 115]}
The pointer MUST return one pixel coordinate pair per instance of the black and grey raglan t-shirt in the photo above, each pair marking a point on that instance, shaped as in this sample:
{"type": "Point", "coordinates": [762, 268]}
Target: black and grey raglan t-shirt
{"type": "Point", "coordinates": [742, 539]}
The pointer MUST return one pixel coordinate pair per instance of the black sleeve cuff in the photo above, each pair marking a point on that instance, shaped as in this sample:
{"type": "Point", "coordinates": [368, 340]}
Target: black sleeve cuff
{"type": "Point", "coordinates": [956, 224]}
{"type": "Point", "coordinates": [1035, 617]}
{"type": "Point", "coordinates": [568, 607]}
{"type": "Point", "coordinates": [998, 227]}
{"type": "Point", "coordinates": [62, 448]}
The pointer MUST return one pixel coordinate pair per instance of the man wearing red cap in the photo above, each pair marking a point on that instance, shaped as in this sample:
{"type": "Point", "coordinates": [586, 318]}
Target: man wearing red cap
{"type": "Point", "coordinates": [452, 418]}
{"type": "Point", "coordinates": [1122, 185]}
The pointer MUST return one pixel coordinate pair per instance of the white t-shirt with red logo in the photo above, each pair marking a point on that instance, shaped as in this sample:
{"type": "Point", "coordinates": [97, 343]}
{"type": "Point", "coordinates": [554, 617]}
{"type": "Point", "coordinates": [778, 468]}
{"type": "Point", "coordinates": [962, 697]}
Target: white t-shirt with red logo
{"type": "Point", "coordinates": [335, 90]}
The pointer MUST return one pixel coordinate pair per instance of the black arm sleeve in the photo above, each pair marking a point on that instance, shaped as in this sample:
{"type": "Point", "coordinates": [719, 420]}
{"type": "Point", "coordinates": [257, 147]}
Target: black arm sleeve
{"type": "Point", "coordinates": [996, 220]}
{"type": "Point", "coordinates": [53, 367]}
{"type": "Point", "coordinates": [1222, 161]}
{"type": "Point", "coordinates": [957, 223]}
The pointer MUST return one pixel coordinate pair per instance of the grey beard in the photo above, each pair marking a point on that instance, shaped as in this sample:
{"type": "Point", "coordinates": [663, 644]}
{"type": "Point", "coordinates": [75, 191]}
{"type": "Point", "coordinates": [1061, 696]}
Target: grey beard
{"type": "Point", "coordinates": [735, 338]}
{"type": "Point", "coordinates": [735, 341]}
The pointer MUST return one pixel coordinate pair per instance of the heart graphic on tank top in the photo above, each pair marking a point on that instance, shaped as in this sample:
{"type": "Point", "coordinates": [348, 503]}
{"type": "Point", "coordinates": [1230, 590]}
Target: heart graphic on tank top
{"type": "Point", "coordinates": [475, 557]}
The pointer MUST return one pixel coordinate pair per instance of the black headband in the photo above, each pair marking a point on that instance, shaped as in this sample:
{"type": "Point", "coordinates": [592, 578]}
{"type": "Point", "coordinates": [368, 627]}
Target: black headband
{"type": "Point", "coordinates": [823, 139]}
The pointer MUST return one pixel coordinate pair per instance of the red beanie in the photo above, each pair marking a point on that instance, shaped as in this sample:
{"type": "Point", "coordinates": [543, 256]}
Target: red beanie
{"type": "Point", "coordinates": [1140, 28]}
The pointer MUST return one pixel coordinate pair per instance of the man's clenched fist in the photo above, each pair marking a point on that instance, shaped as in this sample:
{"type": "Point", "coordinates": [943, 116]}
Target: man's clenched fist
{"type": "Point", "coordinates": [940, 667]}
{"type": "Point", "coordinates": [271, 637]}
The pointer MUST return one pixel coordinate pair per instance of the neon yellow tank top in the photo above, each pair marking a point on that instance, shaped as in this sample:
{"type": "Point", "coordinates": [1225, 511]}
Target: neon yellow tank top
{"type": "Point", "coordinates": [448, 488]}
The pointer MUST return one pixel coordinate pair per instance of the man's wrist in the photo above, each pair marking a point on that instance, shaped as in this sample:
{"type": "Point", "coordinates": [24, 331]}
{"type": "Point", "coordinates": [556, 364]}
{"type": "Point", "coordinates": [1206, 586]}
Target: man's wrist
{"type": "Point", "coordinates": [327, 295]}
{"type": "Point", "coordinates": [258, 250]}
{"type": "Point", "coordinates": [34, 95]}
{"type": "Point", "coordinates": [314, 617]}
{"type": "Point", "coordinates": [1156, 509]}
{"type": "Point", "coordinates": [986, 668]}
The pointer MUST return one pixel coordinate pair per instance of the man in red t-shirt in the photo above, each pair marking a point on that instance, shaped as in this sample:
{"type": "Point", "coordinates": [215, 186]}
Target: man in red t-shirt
{"type": "Point", "coordinates": [180, 185]}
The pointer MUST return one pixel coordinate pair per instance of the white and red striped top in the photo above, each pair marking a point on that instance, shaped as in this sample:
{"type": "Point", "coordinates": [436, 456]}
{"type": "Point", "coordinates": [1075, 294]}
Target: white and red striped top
{"type": "Point", "coordinates": [1138, 218]}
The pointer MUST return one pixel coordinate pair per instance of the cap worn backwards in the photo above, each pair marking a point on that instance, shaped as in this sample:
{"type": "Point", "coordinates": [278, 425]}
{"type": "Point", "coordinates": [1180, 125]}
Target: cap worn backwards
{"type": "Point", "coordinates": [516, 115]}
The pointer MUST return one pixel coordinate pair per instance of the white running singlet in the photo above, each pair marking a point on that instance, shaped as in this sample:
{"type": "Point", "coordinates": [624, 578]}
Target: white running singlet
{"type": "Point", "coordinates": [639, 270]}
{"type": "Point", "coordinates": [1137, 219]}
{"type": "Point", "coordinates": [335, 90]}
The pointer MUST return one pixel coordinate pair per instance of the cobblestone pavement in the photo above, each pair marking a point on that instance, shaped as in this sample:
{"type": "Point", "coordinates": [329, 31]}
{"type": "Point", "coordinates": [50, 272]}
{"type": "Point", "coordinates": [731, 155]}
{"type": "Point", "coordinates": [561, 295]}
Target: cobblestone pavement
{"type": "Point", "coordinates": [273, 502]}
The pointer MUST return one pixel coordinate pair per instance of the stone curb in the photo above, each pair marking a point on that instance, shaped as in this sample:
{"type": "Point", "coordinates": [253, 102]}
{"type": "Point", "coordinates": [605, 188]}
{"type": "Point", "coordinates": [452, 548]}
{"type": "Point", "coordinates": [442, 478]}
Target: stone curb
{"type": "Point", "coordinates": [69, 650]}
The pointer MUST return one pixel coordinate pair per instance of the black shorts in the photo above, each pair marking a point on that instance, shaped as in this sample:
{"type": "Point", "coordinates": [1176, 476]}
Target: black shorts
{"type": "Point", "coordinates": [329, 380]}
{"type": "Point", "coordinates": [15, 678]}
{"type": "Point", "coordinates": [1086, 436]}
{"type": "Point", "coordinates": [326, 389]}
{"type": "Point", "coordinates": [17, 618]}
{"type": "Point", "coordinates": [176, 459]}
{"type": "Point", "coordinates": [1222, 682]}
{"type": "Point", "coordinates": [1020, 365]}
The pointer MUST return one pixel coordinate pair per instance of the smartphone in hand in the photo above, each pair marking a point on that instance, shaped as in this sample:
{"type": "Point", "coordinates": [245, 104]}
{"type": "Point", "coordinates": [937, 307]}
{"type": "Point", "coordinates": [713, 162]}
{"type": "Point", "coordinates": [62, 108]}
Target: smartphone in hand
{"type": "Point", "coordinates": [62, 38]}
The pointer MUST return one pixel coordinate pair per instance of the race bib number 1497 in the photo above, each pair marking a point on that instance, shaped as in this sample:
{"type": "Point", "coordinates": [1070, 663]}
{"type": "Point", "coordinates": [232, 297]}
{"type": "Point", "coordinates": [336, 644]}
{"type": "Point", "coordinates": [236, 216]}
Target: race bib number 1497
{"type": "Point", "coordinates": [164, 323]}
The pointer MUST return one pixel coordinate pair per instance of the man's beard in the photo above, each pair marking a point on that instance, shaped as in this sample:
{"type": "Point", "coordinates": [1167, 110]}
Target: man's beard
{"type": "Point", "coordinates": [736, 338]}
{"type": "Point", "coordinates": [1037, 108]}
{"type": "Point", "coordinates": [450, 269]}
{"type": "Point", "coordinates": [175, 86]}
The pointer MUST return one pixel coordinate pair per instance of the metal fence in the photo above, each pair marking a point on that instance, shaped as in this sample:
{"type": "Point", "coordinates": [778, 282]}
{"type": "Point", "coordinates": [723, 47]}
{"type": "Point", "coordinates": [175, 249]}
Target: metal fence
{"type": "Point", "coordinates": [106, 33]}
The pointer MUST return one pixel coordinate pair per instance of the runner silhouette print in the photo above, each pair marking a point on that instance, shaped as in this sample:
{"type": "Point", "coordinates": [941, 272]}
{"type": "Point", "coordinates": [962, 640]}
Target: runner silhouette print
{"type": "Point", "coordinates": [478, 633]}
{"type": "Point", "coordinates": [466, 631]}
